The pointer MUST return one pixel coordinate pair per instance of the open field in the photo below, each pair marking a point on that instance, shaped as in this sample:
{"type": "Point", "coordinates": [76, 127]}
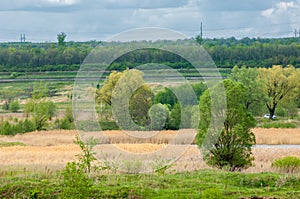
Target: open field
{"type": "Point", "coordinates": [59, 137]}
{"type": "Point", "coordinates": [53, 149]}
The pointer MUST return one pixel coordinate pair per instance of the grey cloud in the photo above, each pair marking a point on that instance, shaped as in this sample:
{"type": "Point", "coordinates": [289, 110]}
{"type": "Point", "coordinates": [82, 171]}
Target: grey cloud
{"type": "Point", "coordinates": [73, 5]}
{"type": "Point", "coordinates": [41, 20]}
{"type": "Point", "coordinates": [234, 5]}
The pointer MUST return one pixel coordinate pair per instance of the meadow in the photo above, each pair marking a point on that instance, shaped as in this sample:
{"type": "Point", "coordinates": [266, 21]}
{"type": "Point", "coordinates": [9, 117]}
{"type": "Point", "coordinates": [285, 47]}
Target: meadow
{"type": "Point", "coordinates": [32, 164]}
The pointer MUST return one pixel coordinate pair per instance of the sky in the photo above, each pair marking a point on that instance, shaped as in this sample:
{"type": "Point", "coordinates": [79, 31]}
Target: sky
{"type": "Point", "coordinates": [85, 20]}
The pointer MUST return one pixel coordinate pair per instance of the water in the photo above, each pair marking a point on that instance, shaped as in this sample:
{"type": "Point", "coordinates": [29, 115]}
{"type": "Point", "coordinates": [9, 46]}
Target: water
{"type": "Point", "coordinates": [279, 146]}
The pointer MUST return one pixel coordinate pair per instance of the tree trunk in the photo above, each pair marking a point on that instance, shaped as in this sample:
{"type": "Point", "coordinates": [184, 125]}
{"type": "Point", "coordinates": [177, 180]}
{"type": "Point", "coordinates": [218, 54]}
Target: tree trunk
{"type": "Point", "coordinates": [271, 110]}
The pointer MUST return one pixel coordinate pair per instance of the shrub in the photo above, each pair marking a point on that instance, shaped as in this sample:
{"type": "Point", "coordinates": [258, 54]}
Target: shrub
{"type": "Point", "coordinates": [76, 184]}
{"type": "Point", "coordinates": [108, 125]}
{"type": "Point", "coordinates": [212, 193]}
{"type": "Point", "coordinates": [76, 180]}
{"type": "Point", "coordinates": [14, 106]}
{"type": "Point", "coordinates": [15, 127]}
{"type": "Point", "coordinates": [6, 128]}
{"type": "Point", "coordinates": [287, 164]}
{"type": "Point", "coordinates": [28, 126]}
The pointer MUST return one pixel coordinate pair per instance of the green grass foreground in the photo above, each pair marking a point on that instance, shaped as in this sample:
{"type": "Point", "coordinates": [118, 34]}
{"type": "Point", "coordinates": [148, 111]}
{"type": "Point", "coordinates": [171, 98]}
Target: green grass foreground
{"type": "Point", "coordinates": [180, 185]}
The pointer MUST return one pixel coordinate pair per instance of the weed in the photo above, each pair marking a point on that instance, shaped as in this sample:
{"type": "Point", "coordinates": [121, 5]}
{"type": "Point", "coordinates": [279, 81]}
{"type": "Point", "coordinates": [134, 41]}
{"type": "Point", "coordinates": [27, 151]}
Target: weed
{"type": "Point", "coordinates": [287, 164]}
{"type": "Point", "coordinates": [161, 166]}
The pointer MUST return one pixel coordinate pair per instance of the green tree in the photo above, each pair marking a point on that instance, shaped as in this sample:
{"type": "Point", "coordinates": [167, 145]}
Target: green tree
{"type": "Point", "coordinates": [61, 39]}
{"type": "Point", "coordinates": [199, 88]}
{"type": "Point", "coordinates": [231, 146]}
{"type": "Point", "coordinates": [175, 117]}
{"type": "Point", "coordinates": [139, 105]}
{"type": "Point", "coordinates": [158, 114]}
{"type": "Point", "coordinates": [104, 93]}
{"type": "Point", "coordinates": [256, 96]}
{"type": "Point", "coordinates": [165, 96]}
{"type": "Point", "coordinates": [128, 97]}
{"type": "Point", "coordinates": [280, 83]}
{"type": "Point", "coordinates": [39, 107]}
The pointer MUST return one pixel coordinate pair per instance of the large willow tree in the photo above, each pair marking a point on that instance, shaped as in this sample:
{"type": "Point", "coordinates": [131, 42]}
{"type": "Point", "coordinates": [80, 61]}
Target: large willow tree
{"type": "Point", "coordinates": [280, 83]}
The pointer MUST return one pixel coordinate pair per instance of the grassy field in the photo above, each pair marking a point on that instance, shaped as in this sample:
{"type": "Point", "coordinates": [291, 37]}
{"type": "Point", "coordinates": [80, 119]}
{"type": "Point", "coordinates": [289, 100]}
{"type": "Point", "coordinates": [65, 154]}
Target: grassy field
{"type": "Point", "coordinates": [179, 185]}
{"type": "Point", "coordinates": [31, 166]}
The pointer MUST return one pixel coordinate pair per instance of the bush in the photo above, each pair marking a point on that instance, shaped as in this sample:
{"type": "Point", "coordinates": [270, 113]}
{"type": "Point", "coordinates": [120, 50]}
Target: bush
{"type": "Point", "coordinates": [12, 128]}
{"type": "Point", "coordinates": [212, 193]}
{"type": "Point", "coordinates": [6, 128]}
{"type": "Point", "coordinates": [76, 184]}
{"type": "Point", "coordinates": [14, 106]}
{"type": "Point", "coordinates": [287, 164]}
{"type": "Point", "coordinates": [28, 126]}
{"type": "Point", "coordinates": [109, 126]}
{"type": "Point", "coordinates": [76, 175]}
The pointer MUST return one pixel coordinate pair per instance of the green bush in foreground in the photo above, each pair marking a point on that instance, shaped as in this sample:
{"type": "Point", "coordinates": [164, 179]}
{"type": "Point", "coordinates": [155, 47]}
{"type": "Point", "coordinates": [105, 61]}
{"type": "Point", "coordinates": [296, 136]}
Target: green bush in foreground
{"type": "Point", "coordinates": [76, 175]}
{"type": "Point", "coordinates": [287, 164]}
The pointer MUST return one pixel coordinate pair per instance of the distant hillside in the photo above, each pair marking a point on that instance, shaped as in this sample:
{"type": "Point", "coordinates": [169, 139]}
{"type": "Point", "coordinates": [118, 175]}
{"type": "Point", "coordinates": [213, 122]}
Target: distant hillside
{"type": "Point", "coordinates": [256, 52]}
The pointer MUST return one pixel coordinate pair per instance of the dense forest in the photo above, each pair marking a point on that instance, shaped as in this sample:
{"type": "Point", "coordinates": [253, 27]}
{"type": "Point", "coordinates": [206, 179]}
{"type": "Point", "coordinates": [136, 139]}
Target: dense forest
{"type": "Point", "coordinates": [252, 52]}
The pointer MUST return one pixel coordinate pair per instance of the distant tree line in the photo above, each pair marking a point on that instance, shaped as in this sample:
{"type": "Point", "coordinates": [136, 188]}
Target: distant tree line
{"type": "Point", "coordinates": [26, 57]}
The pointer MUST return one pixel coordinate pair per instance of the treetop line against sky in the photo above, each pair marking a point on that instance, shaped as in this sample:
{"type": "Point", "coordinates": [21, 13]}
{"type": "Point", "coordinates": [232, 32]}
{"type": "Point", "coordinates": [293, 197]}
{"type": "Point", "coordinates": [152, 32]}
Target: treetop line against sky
{"type": "Point", "coordinates": [84, 20]}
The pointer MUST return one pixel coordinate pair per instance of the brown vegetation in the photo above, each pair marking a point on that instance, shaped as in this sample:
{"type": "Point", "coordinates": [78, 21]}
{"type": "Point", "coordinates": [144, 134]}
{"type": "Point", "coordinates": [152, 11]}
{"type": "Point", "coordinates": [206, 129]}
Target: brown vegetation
{"type": "Point", "coordinates": [53, 149]}
{"type": "Point", "coordinates": [277, 136]}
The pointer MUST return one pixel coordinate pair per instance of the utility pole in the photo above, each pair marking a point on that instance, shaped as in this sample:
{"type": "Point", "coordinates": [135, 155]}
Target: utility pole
{"type": "Point", "coordinates": [296, 33]}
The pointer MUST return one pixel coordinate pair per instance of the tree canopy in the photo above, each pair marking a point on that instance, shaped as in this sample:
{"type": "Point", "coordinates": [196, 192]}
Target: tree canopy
{"type": "Point", "coordinates": [280, 83]}
{"type": "Point", "coordinates": [255, 88]}
{"type": "Point", "coordinates": [226, 53]}
{"type": "Point", "coordinates": [230, 146]}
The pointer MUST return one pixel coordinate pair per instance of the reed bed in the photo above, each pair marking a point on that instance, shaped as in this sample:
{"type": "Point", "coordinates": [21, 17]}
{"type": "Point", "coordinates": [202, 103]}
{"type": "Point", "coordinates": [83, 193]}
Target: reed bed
{"type": "Point", "coordinates": [51, 150]}
{"type": "Point", "coordinates": [277, 136]}
{"type": "Point", "coordinates": [186, 136]}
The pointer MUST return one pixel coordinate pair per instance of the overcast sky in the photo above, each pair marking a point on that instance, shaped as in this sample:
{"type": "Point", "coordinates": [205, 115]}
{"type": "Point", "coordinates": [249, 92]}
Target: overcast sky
{"type": "Point", "coordinates": [84, 20]}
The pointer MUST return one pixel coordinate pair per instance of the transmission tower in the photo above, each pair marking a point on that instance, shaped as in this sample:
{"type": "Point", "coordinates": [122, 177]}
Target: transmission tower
{"type": "Point", "coordinates": [22, 38]}
{"type": "Point", "coordinates": [201, 33]}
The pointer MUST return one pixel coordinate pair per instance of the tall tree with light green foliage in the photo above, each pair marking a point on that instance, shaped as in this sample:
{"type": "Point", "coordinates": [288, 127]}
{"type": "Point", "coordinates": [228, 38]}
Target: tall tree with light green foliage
{"type": "Point", "coordinates": [128, 97]}
{"type": "Point", "coordinates": [280, 83]}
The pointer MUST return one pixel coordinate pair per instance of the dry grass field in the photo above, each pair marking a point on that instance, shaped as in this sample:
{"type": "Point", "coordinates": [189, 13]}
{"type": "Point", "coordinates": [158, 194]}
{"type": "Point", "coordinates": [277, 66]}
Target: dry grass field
{"type": "Point", "coordinates": [277, 136]}
{"type": "Point", "coordinates": [51, 150]}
